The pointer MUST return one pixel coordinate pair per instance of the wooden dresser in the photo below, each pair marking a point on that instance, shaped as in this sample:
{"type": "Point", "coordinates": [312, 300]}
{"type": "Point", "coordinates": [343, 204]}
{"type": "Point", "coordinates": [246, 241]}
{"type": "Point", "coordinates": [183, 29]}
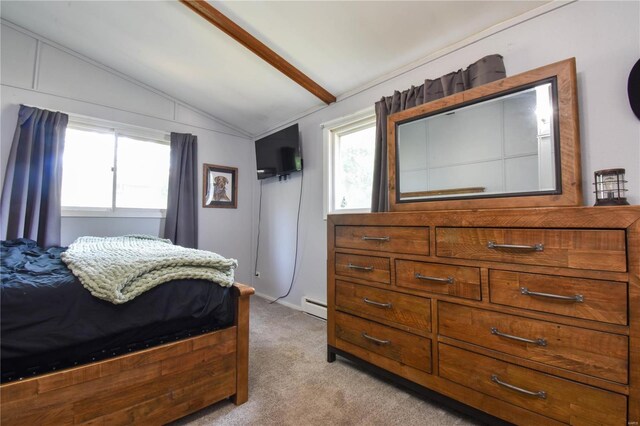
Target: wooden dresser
{"type": "Point", "coordinates": [529, 315]}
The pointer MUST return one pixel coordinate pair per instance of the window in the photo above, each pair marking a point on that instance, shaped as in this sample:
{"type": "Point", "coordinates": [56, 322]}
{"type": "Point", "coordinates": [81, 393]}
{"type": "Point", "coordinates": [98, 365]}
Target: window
{"type": "Point", "coordinates": [349, 156]}
{"type": "Point", "coordinates": [114, 171]}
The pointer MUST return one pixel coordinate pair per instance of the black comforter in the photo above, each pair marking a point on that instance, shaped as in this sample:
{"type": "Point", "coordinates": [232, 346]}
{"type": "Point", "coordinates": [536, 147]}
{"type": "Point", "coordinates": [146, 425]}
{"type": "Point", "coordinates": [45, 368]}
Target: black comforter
{"type": "Point", "coordinates": [50, 321]}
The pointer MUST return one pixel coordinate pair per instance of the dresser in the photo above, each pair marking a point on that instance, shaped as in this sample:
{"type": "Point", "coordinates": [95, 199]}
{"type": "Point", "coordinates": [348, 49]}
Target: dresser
{"type": "Point", "coordinates": [529, 315]}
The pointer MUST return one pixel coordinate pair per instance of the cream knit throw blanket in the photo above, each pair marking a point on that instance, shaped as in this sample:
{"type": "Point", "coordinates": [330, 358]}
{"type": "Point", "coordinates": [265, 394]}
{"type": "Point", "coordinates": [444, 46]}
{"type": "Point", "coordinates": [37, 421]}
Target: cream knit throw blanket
{"type": "Point", "coordinates": [117, 269]}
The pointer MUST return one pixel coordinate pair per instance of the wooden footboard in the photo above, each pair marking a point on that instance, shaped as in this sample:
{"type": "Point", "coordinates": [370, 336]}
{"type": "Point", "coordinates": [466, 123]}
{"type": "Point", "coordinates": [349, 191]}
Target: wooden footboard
{"type": "Point", "coordinates": [155, 385]}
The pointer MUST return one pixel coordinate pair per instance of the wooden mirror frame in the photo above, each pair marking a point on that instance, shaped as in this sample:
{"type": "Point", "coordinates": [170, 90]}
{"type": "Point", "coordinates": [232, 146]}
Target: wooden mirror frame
{"type": "Point", "coordinates": [570, 183]}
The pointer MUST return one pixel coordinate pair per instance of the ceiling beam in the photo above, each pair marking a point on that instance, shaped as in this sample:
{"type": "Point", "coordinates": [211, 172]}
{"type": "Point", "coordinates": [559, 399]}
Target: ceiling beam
{"type": "Point", "coordinates": [215, 17]}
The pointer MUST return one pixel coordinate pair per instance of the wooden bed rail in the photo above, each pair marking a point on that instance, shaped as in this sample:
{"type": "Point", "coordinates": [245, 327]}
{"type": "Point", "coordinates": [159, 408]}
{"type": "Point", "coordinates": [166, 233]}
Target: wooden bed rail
{"type": "Point", "coordinates": [242, 293]}
{"type": "Point", "coordinates": [152, 386]}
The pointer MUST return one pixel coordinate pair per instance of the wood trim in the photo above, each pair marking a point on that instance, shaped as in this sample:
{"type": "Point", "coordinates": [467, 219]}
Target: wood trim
{"type": "Point", "coordinates": [243, 290]}
{"type": "Point", "coordinates": [152, 386]}
{"type": "Point", "coordinates": [233, 30]}
{"type": "Point", "coordinates": [331, 289]}
{"type": "Point", "coordinates": [571, 175]}
{"type": "Point", "coordinates": [610, 217]}
{"type": "Point", "coordinates": [242, 295]}
{"type": "Point", "coordinates": [469, 190]}
{"type": "Point", "coordinates": [633, 247]}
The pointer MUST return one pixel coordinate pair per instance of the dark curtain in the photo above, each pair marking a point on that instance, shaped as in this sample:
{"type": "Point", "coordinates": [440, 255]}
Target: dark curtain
{"type": "Point", "coordinates": [485, 70]}
{"type": "Point", "coordinates": [30, 205]}
{"type": "Point", "coordinates": [181, 223]}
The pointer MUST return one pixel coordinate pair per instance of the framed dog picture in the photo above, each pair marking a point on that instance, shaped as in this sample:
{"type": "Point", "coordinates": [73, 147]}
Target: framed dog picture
{"type": "Point", "coordinates": [220, 186]}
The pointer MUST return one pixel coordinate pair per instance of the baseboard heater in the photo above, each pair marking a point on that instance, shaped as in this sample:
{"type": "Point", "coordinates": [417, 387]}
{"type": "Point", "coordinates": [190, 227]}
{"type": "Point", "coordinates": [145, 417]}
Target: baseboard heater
{"type": "Point", "coordinates": [314, 307]}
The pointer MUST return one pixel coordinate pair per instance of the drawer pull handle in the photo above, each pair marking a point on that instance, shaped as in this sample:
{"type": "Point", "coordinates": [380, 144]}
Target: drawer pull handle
{"type": "Point", "coordinates": [365, 238]}
{"type": "Point", "coordinates": [373, 339]}
{"type": "Point", "coordinates": [536, 247]}
{"type": "Point", "coordinates": [381, 305]}
{"type": "Point", "coordinates": [539, 342]}
{"type": "Point", "coordinates": [539, 394]}
{"type": "Point", "coordinates": [448, 280]}
{"type": "Point", "coordinates": [360, 268]}
{"type": "Point", "coordinates": [577, 298]}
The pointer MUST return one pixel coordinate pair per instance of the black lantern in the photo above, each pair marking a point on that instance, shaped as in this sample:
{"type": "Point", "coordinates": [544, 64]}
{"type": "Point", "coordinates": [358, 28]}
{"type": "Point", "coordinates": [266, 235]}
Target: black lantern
{"type": "Point", "coordinates": [610, 187]}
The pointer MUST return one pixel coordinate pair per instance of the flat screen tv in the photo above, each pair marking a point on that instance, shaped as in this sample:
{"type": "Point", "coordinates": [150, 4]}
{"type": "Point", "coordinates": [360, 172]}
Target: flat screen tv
{"type": "Point", "coordinates": [279, 153]}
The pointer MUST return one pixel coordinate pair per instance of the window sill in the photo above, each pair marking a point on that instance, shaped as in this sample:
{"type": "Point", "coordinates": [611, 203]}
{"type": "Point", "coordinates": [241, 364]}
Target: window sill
{"type": "Point", "coordinates": [119, 213]}
{"type": "Point", "coordinates": [347, 211]}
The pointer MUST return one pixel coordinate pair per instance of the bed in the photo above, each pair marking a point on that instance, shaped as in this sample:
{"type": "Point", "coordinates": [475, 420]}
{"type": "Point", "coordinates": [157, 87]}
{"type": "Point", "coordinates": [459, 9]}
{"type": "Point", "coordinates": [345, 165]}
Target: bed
{"type": "Point", "coordinates": [173, 350]}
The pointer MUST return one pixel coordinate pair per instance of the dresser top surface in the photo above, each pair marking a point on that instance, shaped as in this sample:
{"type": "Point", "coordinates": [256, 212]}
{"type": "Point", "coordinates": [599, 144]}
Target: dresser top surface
{"type": "Point", "coordinates": [617, 217]}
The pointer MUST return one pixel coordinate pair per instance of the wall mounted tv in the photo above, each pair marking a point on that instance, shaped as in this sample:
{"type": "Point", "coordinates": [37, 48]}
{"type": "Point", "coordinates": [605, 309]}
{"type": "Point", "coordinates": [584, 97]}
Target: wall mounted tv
{"type": "Point", "coordinates": [279, 153]}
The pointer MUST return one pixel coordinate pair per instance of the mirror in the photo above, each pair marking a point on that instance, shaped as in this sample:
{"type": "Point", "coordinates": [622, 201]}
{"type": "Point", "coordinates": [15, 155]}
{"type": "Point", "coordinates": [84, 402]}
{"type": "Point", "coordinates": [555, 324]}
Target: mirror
{"type": "Point", "coordinates": [511, 143]}
{"type": "Point", "coordinates": [504, 145]}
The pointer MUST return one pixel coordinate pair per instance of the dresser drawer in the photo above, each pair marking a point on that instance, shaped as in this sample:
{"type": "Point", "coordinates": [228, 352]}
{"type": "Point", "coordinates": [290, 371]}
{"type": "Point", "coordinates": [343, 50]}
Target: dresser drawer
{"type": "Point", "coordinates": [595, 353]}
{"type": "Point", "coordinates": [406, 348]}
{"type": "Point", "coordinates": [582, 249]}
{"type": "Point", "coordinates": [384, 305]}
{"type": "Point", "coordinates": [596, 300]}
{"type": "Point", "coordinates": [460, 281]}
{"type": "Point", "coordinates": [563, 400]}
{"type": "Point", "coordinates": [369, 268]}
{"type": "Point", "coordinates": [396, 239]}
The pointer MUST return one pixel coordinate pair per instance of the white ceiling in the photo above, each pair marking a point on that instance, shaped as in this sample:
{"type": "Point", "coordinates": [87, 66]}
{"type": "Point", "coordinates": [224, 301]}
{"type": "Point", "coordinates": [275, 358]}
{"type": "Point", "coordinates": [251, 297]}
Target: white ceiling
{"type": "Point", "coordinates": [342, 45]}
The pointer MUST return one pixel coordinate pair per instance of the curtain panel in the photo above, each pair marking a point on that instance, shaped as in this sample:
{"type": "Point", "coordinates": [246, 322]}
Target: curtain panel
{"type": "Point", "coordinates": [181, 223]}
{"type": "Point", "coordinates": [485, 70]}
{"type": "Point", "coordinates": [30, 205]}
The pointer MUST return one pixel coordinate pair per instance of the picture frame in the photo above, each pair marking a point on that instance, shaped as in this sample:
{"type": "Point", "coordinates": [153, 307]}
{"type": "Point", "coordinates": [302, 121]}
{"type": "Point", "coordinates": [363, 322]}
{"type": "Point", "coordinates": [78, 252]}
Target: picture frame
{"type": "Point", "coordinates": [219, 186]}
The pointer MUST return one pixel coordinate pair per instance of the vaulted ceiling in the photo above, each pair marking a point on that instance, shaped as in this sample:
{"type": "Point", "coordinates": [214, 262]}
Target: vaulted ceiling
{"type": "Point", "coordinates": [341, 45]}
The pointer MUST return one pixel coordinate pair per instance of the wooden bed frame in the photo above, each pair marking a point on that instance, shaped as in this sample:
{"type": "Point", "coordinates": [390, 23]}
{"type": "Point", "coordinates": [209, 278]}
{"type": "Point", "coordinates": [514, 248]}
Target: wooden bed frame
{"type": "Point", "coordinates": [155, 385]}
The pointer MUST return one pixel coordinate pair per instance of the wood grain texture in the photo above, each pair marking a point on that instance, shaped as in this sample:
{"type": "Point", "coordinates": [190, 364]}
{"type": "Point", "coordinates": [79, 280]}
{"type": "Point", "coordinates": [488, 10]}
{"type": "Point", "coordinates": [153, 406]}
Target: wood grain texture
{"type": "Point", "coordinates": [579, 249]}
{"type": "Point", "coordinates": [565, 401]}
{"type": "Point", "coordinates": [466, 280]}
{"type": "Point", "coordinates": [604, 352]}
{"type": "Point", "coordinates": [544, 368]}
{"type": "Point", "coordinates": [365, 267]}
{"type": "Point", "coordinates": [233, 30]}
{"type": "Point", "coordinates": [389, 307]}
{"type": "Point", "coordinates": [241, 322]}
{"type": "Point", "coordinates": [407, 239]}
{"type": "Point", "coordinates": [486, 304]}
{"type": "Point", "coordinates": [604, 301]}
{"type": "Point", "coordinates": [571, 183]}
{"type": "Point", "coordinates": [407, 348]}
{"type": "Point", "coordinates": [633, 247]}
{"type": "Point", "coordinates": [152, 386]}
{"type": "Point", "coordinates": [120, 384]}
{"type": "Point", "coordinates": [598, 354]}
{"type": "Point", "coordinates": [451, 389]}
{"type": "Point", "coordinates": [611, 217]}
{"type": "Point", "coordinates": [473, 189]}
{"type": "Point", "coordinates": [505, 266]}
{"type": "Point", "coordinates": [331, 279]}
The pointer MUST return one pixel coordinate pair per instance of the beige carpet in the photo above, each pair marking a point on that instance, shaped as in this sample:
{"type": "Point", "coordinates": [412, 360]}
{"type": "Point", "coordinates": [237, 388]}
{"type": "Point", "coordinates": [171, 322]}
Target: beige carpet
{"type": "Point", "coordinates": [290, 382]}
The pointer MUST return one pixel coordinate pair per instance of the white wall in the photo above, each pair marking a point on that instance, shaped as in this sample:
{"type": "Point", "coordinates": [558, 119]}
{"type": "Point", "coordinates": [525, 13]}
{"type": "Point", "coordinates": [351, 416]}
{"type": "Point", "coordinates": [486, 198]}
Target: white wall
{"type": "Point", "coordinates": [604, 37]}
{"type": "Point", "coordinates": [40, 73]}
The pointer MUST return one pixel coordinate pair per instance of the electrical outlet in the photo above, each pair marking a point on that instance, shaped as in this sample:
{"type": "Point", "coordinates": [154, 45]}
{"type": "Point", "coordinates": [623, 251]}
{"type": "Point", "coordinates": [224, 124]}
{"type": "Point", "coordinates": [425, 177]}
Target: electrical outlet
{"type": "Point", "coordinates": [257, 274]}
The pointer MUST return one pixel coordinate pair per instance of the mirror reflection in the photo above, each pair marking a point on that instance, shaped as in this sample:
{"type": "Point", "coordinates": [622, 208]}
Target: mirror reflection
{"type": "Point", "coordinates": [505, 145]}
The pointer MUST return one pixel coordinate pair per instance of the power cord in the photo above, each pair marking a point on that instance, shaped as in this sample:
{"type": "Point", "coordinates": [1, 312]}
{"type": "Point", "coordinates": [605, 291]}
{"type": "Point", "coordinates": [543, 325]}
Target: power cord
{"type": "Point", "coordinates": [295, 259]}
{"type": "Point", "coordinates": [255, 268]}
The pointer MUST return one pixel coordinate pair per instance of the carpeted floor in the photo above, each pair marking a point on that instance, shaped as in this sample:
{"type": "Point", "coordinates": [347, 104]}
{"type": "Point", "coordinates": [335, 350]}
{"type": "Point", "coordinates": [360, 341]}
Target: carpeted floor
{"type": "Point", "coordinates": [291, 383]}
